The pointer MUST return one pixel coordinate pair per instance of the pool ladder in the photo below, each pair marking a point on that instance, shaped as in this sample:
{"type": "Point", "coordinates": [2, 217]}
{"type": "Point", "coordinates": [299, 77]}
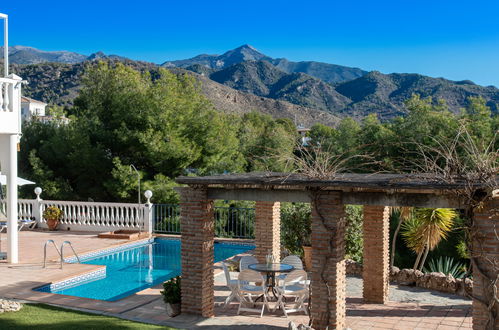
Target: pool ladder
{"type": "Point", "coordinates": [59, 251]}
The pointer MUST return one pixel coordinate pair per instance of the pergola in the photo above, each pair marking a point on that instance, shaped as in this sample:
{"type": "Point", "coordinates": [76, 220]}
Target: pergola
{"type": "Point", "coordinates": [376, 192]}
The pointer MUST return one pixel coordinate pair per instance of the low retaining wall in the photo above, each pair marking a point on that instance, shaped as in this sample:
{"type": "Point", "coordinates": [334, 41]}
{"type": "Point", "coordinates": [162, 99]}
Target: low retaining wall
{"type": "Point", "coordinates": [432, 281]}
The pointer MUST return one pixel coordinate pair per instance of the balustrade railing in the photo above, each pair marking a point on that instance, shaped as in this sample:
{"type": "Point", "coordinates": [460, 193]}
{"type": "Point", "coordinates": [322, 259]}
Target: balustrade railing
{"type": "Point", "coordinates": [5, 95]}
{"type": "Point", "coordinates": [230, 222]}
{"type": "Point", "coordinates": [25, 209]}
{"type": "Point", "coordinates": [10, 105]}
{"type": "Point", "coordinates": [98, 216]}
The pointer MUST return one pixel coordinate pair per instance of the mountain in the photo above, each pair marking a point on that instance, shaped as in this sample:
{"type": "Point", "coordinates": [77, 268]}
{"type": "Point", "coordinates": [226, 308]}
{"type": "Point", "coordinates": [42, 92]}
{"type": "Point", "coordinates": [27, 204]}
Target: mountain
{"type": "Point", "coordinates": [30, 55]}
{"type": "Point", "coordinates": [330, 73]}
{"type": "Point", "coordinates": [264, 79]}
{"type": "Point", "coordinates": [385, 94]}
{"type": "Point", "coordinates": [59, 83]}
{"type": "Point", "coordinates": [238, 55]}
{"type": "Point", "coordinates": [245, 80]}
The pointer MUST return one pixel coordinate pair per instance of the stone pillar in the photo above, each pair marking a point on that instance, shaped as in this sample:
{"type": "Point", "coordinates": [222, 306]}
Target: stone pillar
{"type": "Point", "coordinates": [267, 230]}
{"type": "Point", "coordinates": [375, 272]}
{"type": "Point", "coordinates": [197, 226]}
{"type": "Point", "coordinates": [328, 307]}
{"type": "Point", "coordinates": [486, 248]}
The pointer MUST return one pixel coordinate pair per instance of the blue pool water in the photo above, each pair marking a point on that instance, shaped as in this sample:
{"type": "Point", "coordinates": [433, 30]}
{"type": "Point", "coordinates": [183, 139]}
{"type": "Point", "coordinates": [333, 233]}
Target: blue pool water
{"type": "Point", "coordinates": [140, 267]}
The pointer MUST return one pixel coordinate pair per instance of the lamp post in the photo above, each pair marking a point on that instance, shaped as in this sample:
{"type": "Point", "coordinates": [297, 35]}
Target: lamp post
{"type": "Point", "coordinates": [132, 167]}
{"type": "Point", "coordinates": [5, 44]}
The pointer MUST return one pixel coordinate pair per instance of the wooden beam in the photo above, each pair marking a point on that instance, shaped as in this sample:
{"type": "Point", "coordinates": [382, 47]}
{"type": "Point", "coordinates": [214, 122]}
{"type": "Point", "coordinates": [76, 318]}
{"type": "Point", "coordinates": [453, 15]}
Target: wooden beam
{"type": "Point", "coordinates": [355, 198]}
{"type": "Point", "coordinates": [260, 195]}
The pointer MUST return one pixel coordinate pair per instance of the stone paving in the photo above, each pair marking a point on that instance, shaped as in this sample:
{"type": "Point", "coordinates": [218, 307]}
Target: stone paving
{"type": "Point", "coordinates": [409, 307]}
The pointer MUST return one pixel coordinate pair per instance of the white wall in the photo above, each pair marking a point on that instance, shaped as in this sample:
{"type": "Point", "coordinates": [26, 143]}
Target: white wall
{"type": "Point", "coordinates": [30, 109]}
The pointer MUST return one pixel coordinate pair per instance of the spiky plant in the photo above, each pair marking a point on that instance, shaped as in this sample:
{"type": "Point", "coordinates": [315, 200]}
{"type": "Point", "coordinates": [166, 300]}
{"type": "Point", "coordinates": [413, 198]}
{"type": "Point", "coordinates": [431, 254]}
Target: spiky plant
{"type": "Point", "coordinates": [446, 265]}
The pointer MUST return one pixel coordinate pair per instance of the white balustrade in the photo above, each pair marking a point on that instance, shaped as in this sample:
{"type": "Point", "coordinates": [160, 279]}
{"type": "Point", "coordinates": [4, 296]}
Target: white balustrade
{"type": "Point", "coordinates": [87, 216]}
{"type": "Point", "coordinates": [92, 216]}
{"type": "Point", "coordinates": [25, 208]}
{"type": "Point", "coordinates": [10, 105]}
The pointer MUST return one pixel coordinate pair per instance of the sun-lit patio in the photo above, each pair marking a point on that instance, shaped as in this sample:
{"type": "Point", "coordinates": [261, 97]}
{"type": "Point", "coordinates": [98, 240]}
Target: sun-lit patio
{"type": "Point", "coordinates": [411, 308]}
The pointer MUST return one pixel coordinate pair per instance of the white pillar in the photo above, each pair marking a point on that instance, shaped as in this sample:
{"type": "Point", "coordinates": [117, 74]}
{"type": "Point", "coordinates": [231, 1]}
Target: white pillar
{"type": "Point", "coordinates": [148, 210]}
{"type": "Point", "coordinates": [37, 207]}
{"type": "Point", "coordinates": [12, 235]}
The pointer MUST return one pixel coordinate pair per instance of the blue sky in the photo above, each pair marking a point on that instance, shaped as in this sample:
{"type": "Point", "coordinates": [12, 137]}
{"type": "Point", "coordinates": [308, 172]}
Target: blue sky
{"type": "Point", "coordinates": [452, 39]}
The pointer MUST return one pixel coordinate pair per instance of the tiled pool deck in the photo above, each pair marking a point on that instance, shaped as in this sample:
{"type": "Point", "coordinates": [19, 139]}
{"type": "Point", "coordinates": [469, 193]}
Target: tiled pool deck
{"type": "Point", "coordinates": [17, 281]}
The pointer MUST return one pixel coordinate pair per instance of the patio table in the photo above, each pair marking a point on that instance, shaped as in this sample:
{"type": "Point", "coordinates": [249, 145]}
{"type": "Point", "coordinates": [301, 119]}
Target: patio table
{"type": "Point", "coordinates": [270, 270]}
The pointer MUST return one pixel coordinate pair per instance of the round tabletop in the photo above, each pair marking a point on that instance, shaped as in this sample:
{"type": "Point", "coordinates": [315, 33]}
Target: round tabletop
{"type": "Point", "coordinates": [271, 268]}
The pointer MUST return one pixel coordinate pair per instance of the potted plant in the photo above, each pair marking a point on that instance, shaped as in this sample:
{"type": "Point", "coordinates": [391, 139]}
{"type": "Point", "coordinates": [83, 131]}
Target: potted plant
{"type": "Point", "coordinates": [52, 215]}
{"type": "Point", "coordinates": [172, 296]}
{"type": "Point", "coordinates": [296, 230]}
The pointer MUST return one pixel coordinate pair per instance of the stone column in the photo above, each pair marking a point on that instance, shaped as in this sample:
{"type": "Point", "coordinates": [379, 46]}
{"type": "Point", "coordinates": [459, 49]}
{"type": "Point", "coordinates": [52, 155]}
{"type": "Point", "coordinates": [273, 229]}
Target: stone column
{"type": "Point", "coordinates": [375, 273]}
{"type": "Point", "coordinates": [328, 307]}
{"type": "Point", "coordinates": [486, 248]}
{"type": "Point", "coordinates": [197, 226]}
{"type": "Point", "coordinates": [267, 230]}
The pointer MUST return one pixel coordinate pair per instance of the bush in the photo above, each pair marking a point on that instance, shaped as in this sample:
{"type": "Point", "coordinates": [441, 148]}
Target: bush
{"type": "Point", "coordinates": [354, 242]}
{"type": "Point", "coordinates": [295, 226]}
{"type": "Point", "coordinates": [171, 291]}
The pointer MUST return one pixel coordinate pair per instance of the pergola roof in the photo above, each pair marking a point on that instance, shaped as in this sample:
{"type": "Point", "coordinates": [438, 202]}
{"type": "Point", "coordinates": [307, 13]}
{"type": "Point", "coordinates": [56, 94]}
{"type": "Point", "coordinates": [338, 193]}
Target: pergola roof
{"type": "Point", "coordinates": [368, 189]}
{"type": "Point", "coordinates": [346, 181]}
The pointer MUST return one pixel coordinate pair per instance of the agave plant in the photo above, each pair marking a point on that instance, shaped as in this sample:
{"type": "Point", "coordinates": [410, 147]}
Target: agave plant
{"type": "Point", "coordinates": [446, 265]}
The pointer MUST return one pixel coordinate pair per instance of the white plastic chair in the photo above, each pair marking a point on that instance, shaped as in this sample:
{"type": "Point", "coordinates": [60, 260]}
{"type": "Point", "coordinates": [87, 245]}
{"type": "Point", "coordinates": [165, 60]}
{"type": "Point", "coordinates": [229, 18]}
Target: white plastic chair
{"type": "Point", "coordinates": [232, 285]}
{"type": "Point", "coordinates": [292, 260]}
{"type": "Point", "coordinates": [245, 261]}
{"type": "Point", "coordinates": [30, 224]}
{"type": "Point", "coordinates": [293, 285]}
{"type": "Point", "coordinates": [250, 284]}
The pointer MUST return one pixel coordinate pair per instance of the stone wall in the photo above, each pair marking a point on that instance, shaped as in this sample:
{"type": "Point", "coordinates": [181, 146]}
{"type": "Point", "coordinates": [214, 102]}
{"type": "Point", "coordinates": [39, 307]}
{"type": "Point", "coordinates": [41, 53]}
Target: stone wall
{"type": "Point", "coordinates": [432, 281]}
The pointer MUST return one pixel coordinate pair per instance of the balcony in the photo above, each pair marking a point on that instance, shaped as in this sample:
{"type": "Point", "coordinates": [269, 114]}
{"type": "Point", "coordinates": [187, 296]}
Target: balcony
{"type": "Point", "coordinates": [10, 105]}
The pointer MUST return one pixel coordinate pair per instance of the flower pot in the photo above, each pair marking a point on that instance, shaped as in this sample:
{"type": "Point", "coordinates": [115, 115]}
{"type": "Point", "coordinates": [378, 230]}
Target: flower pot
{"type": "Point", "coordinates": [307, 257]}
{"type": "Point", "coordinates": [52, 224]}
{"type": "Point", "coordinates": [172, 309]}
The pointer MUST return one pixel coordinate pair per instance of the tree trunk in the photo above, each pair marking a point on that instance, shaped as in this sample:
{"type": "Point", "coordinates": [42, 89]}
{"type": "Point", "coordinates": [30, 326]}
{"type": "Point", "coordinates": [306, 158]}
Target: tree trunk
{"type": "Point", "coordinates": [417, 259]}
{"type": "Point", "coordinates": [394, 242]}
{"type": "Point", "coordinates": [427, 249]}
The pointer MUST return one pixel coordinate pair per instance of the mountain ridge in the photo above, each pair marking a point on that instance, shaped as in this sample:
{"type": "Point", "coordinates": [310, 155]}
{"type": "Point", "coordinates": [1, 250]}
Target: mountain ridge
{"type": "Point", "coordinates": [261, 81]}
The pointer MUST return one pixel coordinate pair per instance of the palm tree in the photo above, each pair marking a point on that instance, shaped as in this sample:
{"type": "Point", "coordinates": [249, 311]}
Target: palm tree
{"type": "Point", "coordinates": [423, 232]}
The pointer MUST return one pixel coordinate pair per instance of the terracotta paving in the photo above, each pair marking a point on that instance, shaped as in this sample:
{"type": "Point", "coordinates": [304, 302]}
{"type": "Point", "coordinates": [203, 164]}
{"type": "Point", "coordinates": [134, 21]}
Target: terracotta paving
{"type": "Point", "coordinates": [17, 281]}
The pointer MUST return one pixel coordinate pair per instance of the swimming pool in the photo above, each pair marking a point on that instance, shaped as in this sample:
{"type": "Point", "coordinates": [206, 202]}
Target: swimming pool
{"type": "Point", "coordinates": [137, 268]}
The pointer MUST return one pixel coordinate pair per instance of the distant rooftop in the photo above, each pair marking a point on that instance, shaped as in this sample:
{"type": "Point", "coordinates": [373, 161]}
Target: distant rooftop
{"type": "Point", "coordinates": [30, 100]}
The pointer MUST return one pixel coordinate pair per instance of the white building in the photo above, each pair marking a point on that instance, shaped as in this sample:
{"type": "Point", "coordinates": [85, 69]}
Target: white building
{"type": "Point", "coordinates": [10, 133]}
{"type": "Point", "coordinates": [32, 108]}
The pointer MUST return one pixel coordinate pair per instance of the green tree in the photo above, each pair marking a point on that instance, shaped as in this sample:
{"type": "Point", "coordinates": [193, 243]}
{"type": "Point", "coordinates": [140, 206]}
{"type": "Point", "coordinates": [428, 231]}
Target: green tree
{"type": "Point", "coordinates": [122, 117]}
{"type": "Point", "coordinates": [266, 143]}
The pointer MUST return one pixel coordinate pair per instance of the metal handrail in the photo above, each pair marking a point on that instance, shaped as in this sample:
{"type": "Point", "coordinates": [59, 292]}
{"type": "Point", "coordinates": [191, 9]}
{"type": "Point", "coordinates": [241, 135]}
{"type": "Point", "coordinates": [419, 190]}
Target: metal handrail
{"type": "Point", "coordinates": [45, 251]}
{"type": "Point", "coordinates": [62, 252]}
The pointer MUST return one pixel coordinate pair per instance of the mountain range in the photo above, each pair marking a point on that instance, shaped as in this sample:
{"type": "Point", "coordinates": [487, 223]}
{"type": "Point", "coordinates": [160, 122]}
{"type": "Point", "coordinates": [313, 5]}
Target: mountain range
{"type": "Point", "coordinates": [244, 79]}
